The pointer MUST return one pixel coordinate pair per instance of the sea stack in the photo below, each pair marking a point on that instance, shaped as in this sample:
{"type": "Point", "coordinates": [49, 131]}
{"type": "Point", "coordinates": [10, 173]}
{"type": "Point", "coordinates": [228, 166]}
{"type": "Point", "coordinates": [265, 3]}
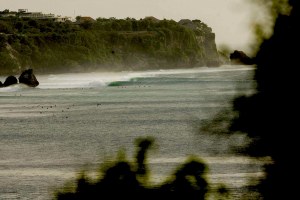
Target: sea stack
{"type": "Point", "coordinates": [239, 57]}
{"type": "Point", "coordinates": [11, 80]}
{"type": "Point", "coordinates": [27, 77]}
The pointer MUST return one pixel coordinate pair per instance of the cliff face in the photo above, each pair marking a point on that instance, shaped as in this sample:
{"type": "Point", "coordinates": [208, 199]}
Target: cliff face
{"type": "Point", "coordinates": [105, 44]}
{"type": "Point", "coordinates": [205, 39]}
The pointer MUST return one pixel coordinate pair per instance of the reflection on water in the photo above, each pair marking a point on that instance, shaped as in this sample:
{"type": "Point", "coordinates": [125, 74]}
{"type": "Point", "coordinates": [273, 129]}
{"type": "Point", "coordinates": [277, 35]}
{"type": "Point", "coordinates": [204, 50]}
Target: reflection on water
{"type": "Point", "coordinates": [75, 121]}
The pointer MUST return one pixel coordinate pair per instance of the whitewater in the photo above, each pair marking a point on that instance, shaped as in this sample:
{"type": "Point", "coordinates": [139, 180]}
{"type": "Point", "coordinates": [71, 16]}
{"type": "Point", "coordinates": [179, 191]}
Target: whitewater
{"type": "Point", "coordinates": [76, 121]}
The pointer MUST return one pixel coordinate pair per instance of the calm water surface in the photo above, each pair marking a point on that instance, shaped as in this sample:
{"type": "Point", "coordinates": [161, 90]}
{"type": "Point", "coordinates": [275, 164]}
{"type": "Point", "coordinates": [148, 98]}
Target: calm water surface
{"type": "Point", "coordinates": [72, 122]}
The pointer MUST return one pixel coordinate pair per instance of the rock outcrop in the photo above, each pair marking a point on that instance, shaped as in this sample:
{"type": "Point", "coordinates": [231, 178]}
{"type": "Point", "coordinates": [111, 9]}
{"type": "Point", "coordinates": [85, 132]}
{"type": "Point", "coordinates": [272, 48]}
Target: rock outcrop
{"type": "Point", "coordinates": [11, 80]}
{"type": "Point", "coordinates": [27, 77]}
{"type": "Point", "coordinates": [239, 57]}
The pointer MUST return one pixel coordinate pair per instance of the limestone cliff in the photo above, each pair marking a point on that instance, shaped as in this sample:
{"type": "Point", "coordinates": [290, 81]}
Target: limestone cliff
{"type": "Point", "coordinates": [105, 44]}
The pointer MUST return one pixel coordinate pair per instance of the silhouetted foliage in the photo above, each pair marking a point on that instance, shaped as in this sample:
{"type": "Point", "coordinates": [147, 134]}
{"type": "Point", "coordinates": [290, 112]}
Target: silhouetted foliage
{"type": "Point", "coordinates": [122, 181]}
{"type": "Point", "coordinates": [270, 116]}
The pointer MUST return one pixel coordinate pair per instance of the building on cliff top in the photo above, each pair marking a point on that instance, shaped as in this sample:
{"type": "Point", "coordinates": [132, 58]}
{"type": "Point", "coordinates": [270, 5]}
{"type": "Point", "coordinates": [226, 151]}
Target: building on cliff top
{"type": "Point", "coordinates": [23, 13]}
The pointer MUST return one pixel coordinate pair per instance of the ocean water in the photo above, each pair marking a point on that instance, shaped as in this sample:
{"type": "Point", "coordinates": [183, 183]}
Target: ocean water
{"type": "Point", "coordinates": [72, 122]}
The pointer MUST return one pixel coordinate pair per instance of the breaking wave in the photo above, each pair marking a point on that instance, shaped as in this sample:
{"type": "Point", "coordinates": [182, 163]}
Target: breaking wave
{"type": "Point", "coordinates": [100, 79]}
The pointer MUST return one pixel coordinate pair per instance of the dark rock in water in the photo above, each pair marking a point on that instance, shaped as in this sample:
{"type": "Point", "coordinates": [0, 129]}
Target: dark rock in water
{"type": "Point", "coordinates": [10, 81]}
{"type": "Point", "coordinates": [27, 77]}
{"type": "Point", "coordinates": [239, 57]}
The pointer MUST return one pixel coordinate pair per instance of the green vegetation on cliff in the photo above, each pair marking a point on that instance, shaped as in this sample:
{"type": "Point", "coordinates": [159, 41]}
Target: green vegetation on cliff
{"type": "Point", "coordinates": [104, 44]}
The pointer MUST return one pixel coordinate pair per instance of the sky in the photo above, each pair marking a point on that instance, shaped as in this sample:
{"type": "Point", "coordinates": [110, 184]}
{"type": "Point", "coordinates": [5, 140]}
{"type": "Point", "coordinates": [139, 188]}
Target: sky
{"type": "Point", "coordinates": [231, 20]}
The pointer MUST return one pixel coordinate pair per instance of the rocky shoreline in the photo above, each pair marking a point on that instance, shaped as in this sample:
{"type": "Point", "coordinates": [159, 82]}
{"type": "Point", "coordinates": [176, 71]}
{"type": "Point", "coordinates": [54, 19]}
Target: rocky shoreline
{"type": "Point", "coordinates": [27, 77]}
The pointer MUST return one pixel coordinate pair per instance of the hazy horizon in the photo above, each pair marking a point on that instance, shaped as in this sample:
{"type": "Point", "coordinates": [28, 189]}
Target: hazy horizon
{"type": "Point", "coordinates": [231, 20]}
